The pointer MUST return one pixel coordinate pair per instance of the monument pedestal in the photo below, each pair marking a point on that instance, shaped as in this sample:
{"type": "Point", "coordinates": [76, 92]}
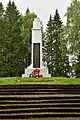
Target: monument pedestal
{"type": "Point", "coordinates": [43, 71]}
{"type": "Point", "coordinates": [36, 53]}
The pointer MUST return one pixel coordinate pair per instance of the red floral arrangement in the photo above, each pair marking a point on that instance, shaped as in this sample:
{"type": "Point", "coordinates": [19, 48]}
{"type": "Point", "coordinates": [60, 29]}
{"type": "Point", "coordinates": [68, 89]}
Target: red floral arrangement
{"type": "Point", "coordinates": [36, 73]}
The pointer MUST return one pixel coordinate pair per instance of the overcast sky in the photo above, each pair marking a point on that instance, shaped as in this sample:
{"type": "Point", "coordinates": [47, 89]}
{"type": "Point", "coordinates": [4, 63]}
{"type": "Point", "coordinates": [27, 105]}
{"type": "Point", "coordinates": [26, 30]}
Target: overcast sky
{"type": "Point", "coordinates": [43, 8]}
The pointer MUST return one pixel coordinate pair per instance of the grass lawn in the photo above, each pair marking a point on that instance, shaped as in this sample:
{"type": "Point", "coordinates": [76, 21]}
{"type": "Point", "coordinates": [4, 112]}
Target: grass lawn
{"type": "Point", "coordinates": [52, 80]}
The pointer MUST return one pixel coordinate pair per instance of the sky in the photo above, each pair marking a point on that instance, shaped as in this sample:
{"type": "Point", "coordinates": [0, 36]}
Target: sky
{"type": "Point", "coordinates": [43, 8]}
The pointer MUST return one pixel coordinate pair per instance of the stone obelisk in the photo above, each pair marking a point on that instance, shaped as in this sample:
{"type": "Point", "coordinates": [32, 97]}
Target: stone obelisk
{"type": "Point", "coordinates": [36, 44]}
{"type": "Point", "coordinates": [36, 52]}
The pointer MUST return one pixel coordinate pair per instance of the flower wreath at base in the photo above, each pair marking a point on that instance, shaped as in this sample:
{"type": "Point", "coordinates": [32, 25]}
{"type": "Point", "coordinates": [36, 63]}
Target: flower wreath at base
{"type": "Point", "coordinates": [35, 74]}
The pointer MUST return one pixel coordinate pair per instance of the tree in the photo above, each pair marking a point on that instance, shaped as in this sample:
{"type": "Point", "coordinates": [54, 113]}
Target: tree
{"type": "Point", "coordinates": [54, 50]}
{"type": "Point", "coordinates": [1, 26]}
{"type": "Point", "coordinates": [26, 32]}
{"type": "Point", "coordinates": [15, 40]}
{"type": "Point", "coordinates": [48, 40]}
{"type": "Point", "coordinates": [2, 29]}
{"type": "Point", "coordinates": [13, 62]}
{"type": "Point", "coordinates": [77, 66]}
{"type": "Point", "coordinates": [73, 32]}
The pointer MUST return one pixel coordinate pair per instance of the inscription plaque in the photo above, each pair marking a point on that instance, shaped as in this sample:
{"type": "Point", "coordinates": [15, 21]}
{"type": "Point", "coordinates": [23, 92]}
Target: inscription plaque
{"type": "Point", "coordinates": [36, 55]}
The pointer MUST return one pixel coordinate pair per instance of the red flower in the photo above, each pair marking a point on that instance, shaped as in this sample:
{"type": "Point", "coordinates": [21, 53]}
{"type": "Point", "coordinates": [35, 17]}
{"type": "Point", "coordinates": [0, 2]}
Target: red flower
{"type": "Point", "coordinates": [36, 71]}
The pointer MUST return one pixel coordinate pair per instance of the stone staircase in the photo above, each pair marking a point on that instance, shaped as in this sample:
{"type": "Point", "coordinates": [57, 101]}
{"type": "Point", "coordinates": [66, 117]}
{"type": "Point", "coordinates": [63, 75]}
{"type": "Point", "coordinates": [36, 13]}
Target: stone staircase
{"type": "Point", "coordinates": [23, 101]}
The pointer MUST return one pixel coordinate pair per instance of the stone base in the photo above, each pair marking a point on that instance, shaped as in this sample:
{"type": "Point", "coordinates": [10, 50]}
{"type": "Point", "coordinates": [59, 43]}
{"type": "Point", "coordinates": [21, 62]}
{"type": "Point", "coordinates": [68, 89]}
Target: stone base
{"type": "Point", "coordinates": [43, 71]}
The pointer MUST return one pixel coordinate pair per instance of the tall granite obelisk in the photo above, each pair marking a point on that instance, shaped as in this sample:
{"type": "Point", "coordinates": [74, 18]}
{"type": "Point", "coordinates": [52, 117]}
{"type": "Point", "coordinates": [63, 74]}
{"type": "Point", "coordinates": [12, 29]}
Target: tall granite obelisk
{"type": "Point", "coordinates": [36, 53]}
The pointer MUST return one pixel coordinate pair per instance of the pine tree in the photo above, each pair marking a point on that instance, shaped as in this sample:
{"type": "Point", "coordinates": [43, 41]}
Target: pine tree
{"type": "Point", "coordinates": [57, 29]}
{"type": "Point", "coordinates": [15, 40]}
{"type": "Point", "coordinates": [13, 52]}
{"type": "Point", "coordinates": [1, 26]}
{"type": "Point", "coordinates": [2, 35]}
{"type": "Point", "coordinates": [54, 50]}
{"type": "Point", "coordinates": [48, 45]}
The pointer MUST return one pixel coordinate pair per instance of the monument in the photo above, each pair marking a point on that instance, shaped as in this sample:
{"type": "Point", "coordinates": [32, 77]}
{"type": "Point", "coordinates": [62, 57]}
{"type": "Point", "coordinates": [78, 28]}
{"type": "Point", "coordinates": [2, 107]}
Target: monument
{"type": "Point", "coordinates": [36, 53]}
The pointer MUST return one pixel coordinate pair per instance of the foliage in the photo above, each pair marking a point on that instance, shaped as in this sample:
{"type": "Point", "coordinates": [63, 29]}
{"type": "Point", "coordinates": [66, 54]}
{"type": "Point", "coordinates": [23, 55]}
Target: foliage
{"type": "Point", "coordinates": [15, 40]}
{"type": "Point", "coordinates": [2, 36]}
{"type": "Point", "coordinates": [12, 62]}
{"type": "Point", "coordinates": [55, 47]}
{"type": "Point", "coordinates": [73, 34]}
{"type": "Point", "coordinates": [26, 30]}
{"type": "Point", "coordinates": [76, 66]}
{"type": "Point", "coordinates": [60, 43]}
{"type": "Point", "coordinates": [48, 44]}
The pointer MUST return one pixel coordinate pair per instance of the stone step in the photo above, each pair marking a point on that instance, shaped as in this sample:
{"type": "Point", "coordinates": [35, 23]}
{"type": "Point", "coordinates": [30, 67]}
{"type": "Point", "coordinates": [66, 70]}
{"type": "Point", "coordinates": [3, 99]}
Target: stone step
{"type": "Point", "coordinates": [38, 97]}
{"type": "Point", "coordinates": [41, 105]}
{"type": "Point", "coordinates": [55, 101]}
{"type": "Point", "coordinates": [39, 100]}
{"type": "Point", "coordinates": [20, 116]}
{"type": "Point", "coordinates": [41, 86]}
{"type": "Point", "coordinates": [37, 91]}
{"type": "Point", "coordinates": [37, 110]}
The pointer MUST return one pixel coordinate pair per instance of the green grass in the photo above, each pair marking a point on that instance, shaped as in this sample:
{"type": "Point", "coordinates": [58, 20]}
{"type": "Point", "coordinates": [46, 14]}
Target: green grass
{"type": "Point", "coordinates": [52, 80]}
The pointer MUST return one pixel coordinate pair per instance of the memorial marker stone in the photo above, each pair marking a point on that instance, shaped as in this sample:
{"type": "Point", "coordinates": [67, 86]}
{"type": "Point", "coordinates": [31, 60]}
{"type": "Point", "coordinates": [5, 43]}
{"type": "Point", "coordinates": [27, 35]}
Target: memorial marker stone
{"type": "Point", "coordinates": [36, 53]}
